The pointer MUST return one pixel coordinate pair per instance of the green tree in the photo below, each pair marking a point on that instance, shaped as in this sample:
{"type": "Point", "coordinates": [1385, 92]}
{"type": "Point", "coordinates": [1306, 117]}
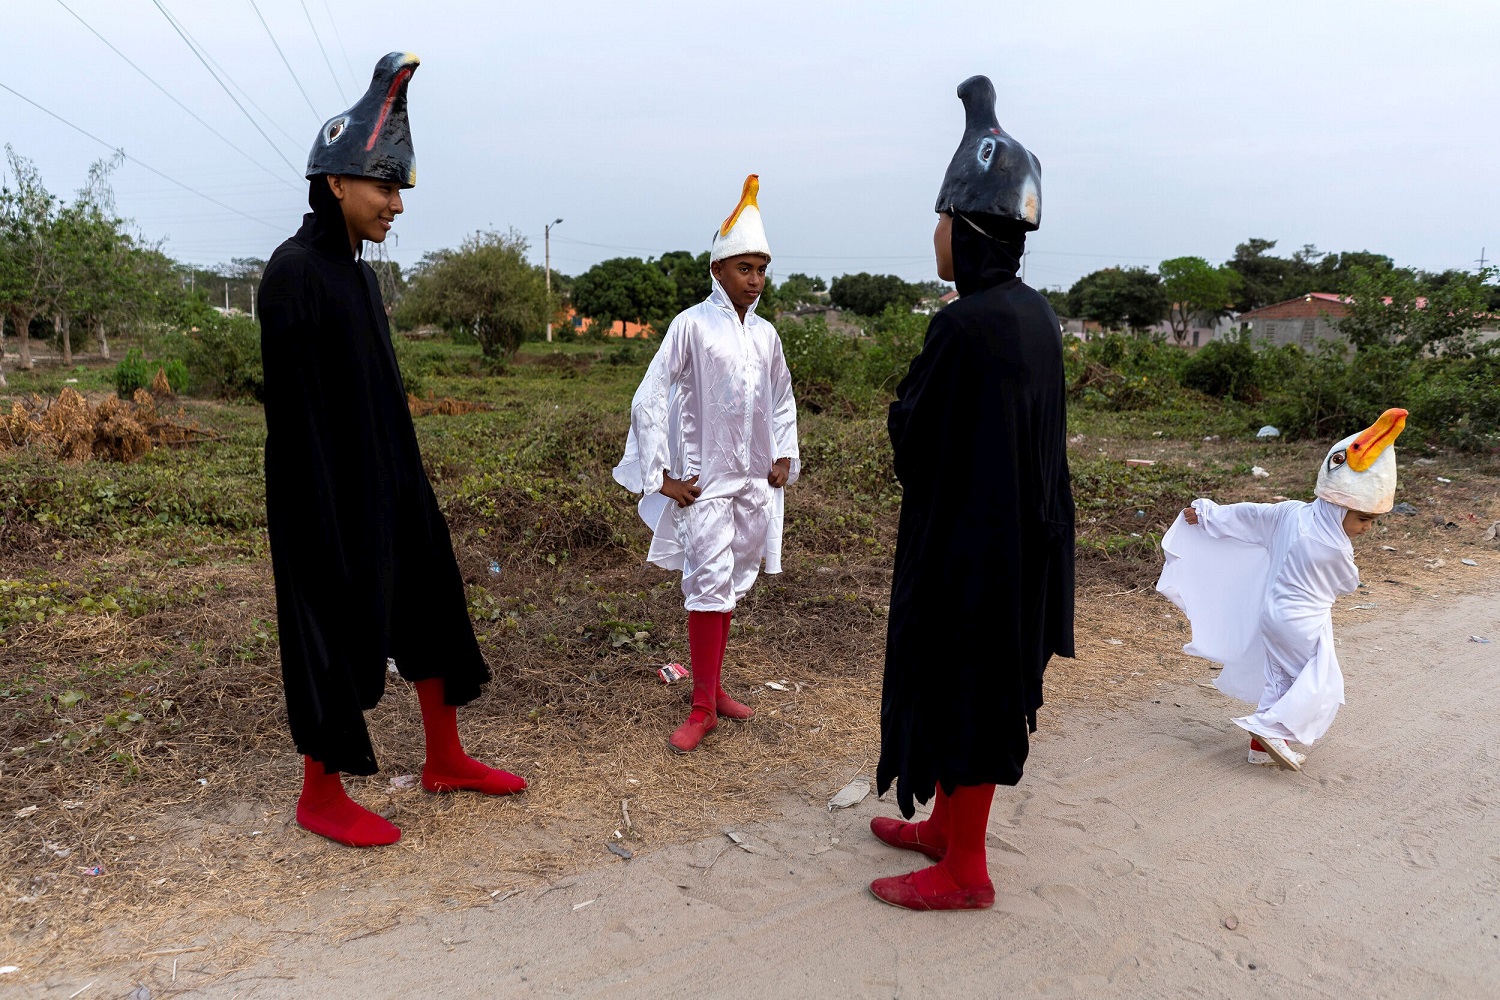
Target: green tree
{"type": "Point", "coordinates": [689, 273]}
{"type": "Point", "coordinates": [1119, 297]}
{"type": "Point", "coordinates": [795, 291]}
{"type": "Point", "coordinates": [1393, 308]}
{"type": "Point", "coordinates": [27, 213]}
{"type": "Point", "coordinates": [92, 279]}
{"type": "Point", "coordinates": [1059, 300]}
{"type": "Point", "coordinates": [625, 289]}
{"type": "Point", "coordinates": [487, 288]}
{"type": "Point", "coordinates": [1194, 287]}
{"type": "Point", "coordinates": [1263, 278]}
{"type": "Point", "coordinates": [872, 294]}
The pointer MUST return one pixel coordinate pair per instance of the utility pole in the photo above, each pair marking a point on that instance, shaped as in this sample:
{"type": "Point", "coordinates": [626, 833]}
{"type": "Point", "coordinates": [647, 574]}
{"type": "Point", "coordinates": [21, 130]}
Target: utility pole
{"type": "Point", "coordinates": [226, 297]}
{"type": "Point", "coordinates": [547, 252]}
{"type": "Point", "coordinates": [1481, 258]}
{"type": "Point", "coordinates": [252, 302]}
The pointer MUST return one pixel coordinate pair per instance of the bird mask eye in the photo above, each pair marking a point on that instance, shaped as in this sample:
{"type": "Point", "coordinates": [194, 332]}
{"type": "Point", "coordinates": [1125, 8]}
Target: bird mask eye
{"type": "Point", "coordinates": [335, 129]}
{"type": "Point", "coordinates": [1337, 459]}
{"type": "Point", "coordinates": [986, 151]}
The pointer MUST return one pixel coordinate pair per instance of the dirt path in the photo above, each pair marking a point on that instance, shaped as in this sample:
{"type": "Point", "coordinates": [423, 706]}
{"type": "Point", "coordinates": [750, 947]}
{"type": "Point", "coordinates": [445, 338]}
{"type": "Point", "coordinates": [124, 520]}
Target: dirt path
{"type": "Point", "coordinates": [1141, 856]}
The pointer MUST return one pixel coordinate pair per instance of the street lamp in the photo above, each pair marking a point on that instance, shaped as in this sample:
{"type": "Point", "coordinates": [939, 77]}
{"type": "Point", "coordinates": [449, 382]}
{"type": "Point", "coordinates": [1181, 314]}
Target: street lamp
{"type": "Point", "coordinates": [547, 244]}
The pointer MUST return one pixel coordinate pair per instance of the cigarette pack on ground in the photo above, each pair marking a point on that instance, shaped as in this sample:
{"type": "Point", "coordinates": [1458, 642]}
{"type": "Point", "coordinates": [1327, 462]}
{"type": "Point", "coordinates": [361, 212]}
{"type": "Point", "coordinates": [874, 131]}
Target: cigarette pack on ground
{"type": "Point", "coordinates": [673, 672]}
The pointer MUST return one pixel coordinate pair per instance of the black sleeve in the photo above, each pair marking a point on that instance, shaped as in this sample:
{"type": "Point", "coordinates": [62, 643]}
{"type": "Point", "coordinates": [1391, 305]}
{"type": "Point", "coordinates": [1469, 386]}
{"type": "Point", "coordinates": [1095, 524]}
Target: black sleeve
{"type": "Point", "coordinates": [304, 418]}
{"type": "Point", "coordinates": [921, 420]}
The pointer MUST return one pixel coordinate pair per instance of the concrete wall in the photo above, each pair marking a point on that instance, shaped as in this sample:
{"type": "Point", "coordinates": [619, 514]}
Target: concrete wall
{"type": "Point", "coordinates": [1306, 332]}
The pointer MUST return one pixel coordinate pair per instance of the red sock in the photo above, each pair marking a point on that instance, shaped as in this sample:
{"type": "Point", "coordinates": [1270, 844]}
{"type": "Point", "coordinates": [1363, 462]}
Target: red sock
{"type": "Point", "coordinates": [707, 632]}
{"type": "Point", "coordinates": [448, 768]}
{"type": "Point", "coordinates": [326, 809]}
{"type": "Point", "coordinates": [933, 831]}
{"type": "Point", "coordinates": [724, 649]}
{"type": "Point", "coordinates": [964, 865]}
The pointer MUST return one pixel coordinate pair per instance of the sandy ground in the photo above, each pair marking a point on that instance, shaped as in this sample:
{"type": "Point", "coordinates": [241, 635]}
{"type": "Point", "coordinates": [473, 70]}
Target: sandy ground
{"type": "Point", "coordinates": [1141, 856]}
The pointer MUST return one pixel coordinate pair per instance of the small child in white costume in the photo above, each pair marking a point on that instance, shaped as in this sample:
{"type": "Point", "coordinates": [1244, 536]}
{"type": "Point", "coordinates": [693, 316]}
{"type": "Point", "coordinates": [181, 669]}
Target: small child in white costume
{"type": "Point", "coordinates": [713, 439]}
{"type": "Point", "coordinates": [1258, 581]}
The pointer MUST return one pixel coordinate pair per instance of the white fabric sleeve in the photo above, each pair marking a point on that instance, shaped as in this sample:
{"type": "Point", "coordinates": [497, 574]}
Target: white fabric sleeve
{"type": "Point", "coordinates": [784, 412]}
{"type": "Point", "coordinates": [648, 450]}
{"type": "Point", "coordinates": [1248, 522]}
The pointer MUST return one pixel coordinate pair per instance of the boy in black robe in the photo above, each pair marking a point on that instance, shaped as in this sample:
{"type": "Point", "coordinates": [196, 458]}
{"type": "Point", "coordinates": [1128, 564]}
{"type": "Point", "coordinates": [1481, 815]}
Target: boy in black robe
{"type": "Point", "coordinates": [363, 561]}
{"type": "Point", "coordinates": [982, 594]}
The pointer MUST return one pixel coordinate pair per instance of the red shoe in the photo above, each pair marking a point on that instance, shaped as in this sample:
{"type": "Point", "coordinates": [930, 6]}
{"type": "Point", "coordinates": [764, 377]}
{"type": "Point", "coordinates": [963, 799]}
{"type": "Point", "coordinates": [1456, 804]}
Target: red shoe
{"type": "Point", "coordinates": [326, 809]}
{"type": "Point", "coordinates": [728, 708]}
{"type": "Point", "coordinates": [902, 891]}
{"type": "Point", "coordinates": [688, 735]}
{"type": "Point", "coordinates": [904, 836]}
{"type": "Point", "coordinates": [475, 777]}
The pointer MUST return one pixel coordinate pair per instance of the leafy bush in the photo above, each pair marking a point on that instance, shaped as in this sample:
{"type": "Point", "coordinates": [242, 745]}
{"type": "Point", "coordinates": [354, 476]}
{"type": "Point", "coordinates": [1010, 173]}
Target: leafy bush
{"type": "Point", "coordinates": [221, 357]}
{"type": "Point", "coordinates": [1457, 401]}
{"type": "Point", "coordinates": [1333, 394]}
{"type": "Point", "coordinates": [1115, 372]}
{"type": "Point", "coordinates": [821, 362]}
{"type": "Point", "coordinates": [414, 364]}
{"type": "Point", "coordinates": [896, 337]}
{"type": "Point", "coordinates": [132, 373]}
{"type": "Point", "coordinates": [1224, 369]}
{"type": "Point", "coordinates": [135, 372]}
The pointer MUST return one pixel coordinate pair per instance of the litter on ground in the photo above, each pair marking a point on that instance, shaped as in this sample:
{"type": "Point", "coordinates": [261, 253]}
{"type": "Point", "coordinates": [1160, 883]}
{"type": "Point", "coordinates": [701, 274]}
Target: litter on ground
{"type": "Point", "coordinates": [850, 795]}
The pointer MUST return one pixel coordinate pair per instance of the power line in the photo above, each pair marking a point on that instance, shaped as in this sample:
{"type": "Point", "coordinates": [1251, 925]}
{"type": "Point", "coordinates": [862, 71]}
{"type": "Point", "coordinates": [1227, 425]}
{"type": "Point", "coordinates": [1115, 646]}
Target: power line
{"type": "Point", "coordinates": [316, 117]}
{"type": "Point", "coordinates": [221, 83]}
{"type": "Point", "coordinates": [144, 166]}
{"type": "Point", "coordinates": [331, 20]}
{"type": "Point", "coordinates": [326, 61]}
{"type": "Point", "coordinates": [201, 51]}
{"type": "Point", "coordinates": [173, 99]}
{"type": "Point", "coordinates": [235, 83]}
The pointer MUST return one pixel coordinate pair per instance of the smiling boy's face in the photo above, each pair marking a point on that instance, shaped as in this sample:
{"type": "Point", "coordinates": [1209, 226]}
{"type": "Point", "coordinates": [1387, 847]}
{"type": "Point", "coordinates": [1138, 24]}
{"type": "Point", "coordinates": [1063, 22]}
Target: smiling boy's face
{"type": "Point", "coordinates": [1357, 522]}
{"type": "Point", "coordinates": [370, 205]}
{"type": "Point", "coordinates": [743, 277]}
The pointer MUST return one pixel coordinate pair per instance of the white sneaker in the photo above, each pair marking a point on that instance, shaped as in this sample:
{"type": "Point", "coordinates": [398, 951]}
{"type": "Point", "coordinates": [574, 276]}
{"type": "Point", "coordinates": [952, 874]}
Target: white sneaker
{"type": "Point", "coordinates": [1280, 754]}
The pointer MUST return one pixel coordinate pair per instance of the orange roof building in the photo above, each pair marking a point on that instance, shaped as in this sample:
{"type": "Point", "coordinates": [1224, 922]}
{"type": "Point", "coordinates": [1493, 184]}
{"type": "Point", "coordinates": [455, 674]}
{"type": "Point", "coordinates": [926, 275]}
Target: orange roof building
{"type": "Point", "coordinates": [629, 331]}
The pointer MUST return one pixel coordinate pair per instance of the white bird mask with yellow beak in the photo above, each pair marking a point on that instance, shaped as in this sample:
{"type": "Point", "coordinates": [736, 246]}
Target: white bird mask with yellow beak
{"type": "Point", "coordinates": [743, 231]}
{"type": "Point", "coordinates": [1360, 471]}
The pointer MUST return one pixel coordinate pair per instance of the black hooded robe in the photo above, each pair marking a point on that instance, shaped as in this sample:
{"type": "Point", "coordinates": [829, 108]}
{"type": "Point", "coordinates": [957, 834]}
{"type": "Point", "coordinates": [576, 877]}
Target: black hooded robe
{"type": "Point", "coordinates": [982, 594]}
{"type": "Point", "coordinates": [362, 557]}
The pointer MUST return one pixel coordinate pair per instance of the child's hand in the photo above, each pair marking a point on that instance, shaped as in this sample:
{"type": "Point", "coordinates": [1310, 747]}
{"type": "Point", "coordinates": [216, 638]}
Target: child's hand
{"type": "Point", "coordinates": [681, 490]}
{"type": "Point", "coordinates": [1190, 515]}
{"type": "Point", "coordinates": [779, 472]}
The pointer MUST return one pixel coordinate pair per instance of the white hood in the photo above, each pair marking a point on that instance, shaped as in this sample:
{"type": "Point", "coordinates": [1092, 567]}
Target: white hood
{"type": "Point", "coordinates": [743, 231]}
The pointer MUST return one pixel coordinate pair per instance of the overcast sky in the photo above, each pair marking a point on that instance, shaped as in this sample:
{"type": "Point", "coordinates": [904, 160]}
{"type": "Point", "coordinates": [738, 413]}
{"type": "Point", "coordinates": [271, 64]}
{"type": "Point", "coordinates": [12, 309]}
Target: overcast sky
{"type": "Point", "coordinates": [1163, 128]}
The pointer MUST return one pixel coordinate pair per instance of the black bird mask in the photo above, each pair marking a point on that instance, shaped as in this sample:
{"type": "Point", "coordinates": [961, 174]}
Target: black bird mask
{"type": "Point", "coordinates": [992, 173]}
{"type": "Point", "coordinates": [373, 138]}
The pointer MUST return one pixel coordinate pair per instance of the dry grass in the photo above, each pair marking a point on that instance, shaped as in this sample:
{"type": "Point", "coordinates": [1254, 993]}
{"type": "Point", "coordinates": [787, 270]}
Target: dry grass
{"type": "Point", "coordinates": [447, 406]}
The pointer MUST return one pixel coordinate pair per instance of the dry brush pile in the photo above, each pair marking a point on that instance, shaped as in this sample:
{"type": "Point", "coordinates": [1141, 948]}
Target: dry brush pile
{"type": "Point", "coordinates": [118, 430]}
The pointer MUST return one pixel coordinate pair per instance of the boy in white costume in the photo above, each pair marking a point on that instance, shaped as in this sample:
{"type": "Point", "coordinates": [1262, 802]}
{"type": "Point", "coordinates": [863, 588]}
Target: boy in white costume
{"type": "Point", "coordinates": [1258, 581]}
{"type": "Point", "coordinates": [713, 439]}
